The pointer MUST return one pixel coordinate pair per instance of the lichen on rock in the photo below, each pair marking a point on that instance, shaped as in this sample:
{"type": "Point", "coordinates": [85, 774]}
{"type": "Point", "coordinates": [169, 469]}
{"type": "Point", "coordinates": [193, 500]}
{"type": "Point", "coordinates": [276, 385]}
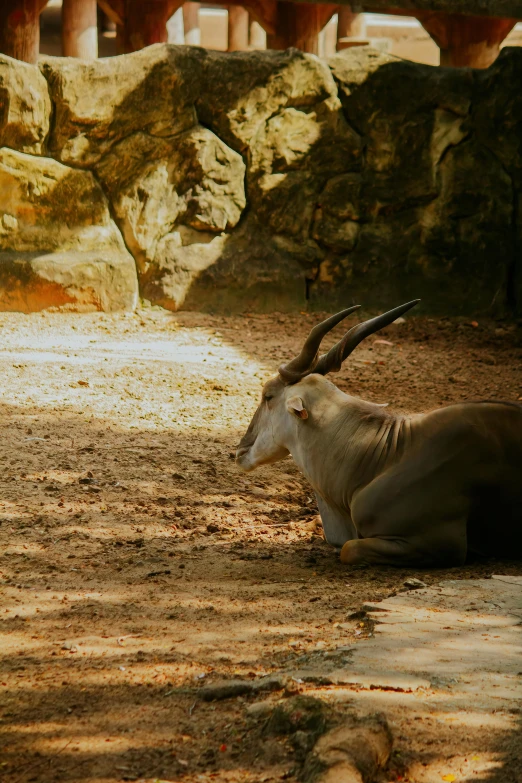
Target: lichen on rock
{"type": "Point", "coordinates": [101, 102]}
{"type": "Point", "coordinates": [58, 243]}
{"type": "Point", "coordinates": [25, 106]}
{"type": "Point", "coordinates": [155, 184]}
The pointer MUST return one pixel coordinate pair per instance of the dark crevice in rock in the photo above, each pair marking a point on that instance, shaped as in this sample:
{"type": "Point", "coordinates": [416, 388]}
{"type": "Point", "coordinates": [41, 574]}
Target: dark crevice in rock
{"type": "Point", "coordinates": [514, 263]}
{"type": "Point", "coordinates": [114, 217]}
{"type": "Point", "coordinates": [514, 270]}
{"type": "Point", "coordinates": [446, 150]}
{"type": "Point", "coordinates": [52, 122]}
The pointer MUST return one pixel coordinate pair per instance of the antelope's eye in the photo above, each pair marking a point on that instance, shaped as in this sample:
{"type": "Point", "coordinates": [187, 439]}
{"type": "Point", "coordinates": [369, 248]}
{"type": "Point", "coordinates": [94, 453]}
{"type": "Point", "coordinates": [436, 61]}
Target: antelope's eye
{"type": "Point", "coordinates": [268, 397]}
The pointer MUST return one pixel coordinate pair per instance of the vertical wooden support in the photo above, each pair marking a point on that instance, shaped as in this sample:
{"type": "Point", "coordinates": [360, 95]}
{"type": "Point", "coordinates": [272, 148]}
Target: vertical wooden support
{"type": "Point", "coordinates": [80, 29]}
{"type": "Point", "coordinates": [350, 25]}
{"type": "Point", "coordinates": [191, 24]}
{"type": "Point", "coordinates": [466, 41]}
{"type": "Point", "coordinates": [299, 25]}
{"type": "Point", "coordinates": [20, 29]}
{"type": "Point", "coordinates": [120, 39]}
{"type": "Point", "coordinates": [237, 28]}
{"type": "Point", "coordinates": [145, 23]}
{"type": "Point", "coordinates": [256, 34]}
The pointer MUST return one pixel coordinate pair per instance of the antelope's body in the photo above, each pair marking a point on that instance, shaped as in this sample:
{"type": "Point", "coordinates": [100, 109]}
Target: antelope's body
{"type": "Point", "coordinates": [417, 490]}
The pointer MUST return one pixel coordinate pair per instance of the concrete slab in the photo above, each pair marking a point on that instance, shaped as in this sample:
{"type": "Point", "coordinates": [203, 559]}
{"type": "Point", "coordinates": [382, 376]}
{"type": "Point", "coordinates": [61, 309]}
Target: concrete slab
{"type": "Point", "coordinates": [450, 653]}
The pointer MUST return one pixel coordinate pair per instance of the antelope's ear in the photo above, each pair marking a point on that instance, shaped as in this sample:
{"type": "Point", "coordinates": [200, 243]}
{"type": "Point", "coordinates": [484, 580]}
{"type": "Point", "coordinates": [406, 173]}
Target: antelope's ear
{"type": "Point", "coordinates": [295, 405]}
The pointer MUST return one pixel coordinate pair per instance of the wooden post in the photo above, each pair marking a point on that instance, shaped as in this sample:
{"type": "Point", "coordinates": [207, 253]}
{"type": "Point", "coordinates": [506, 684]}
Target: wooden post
{"type": "Point", "coordinates": [237, 28]}
{"type": "Point", "coordinates": [256, 35]}
{"type": "Point", "coordinates": [20, 29]}
{"type": "Point", "coordinates": [299, 25]}
{"type": "Point", "coordinates": [80, 29]}
{"type": "Point", "coordinates": [296, 26]}
{"type": "Point", "coordinates": [350, 25]}
{"type": "Point", "coordinates": [191, 24]}
{"type": "Point", "coordinates": [145, 23]}
{"type": "Point", "coordinates": [466, 41]}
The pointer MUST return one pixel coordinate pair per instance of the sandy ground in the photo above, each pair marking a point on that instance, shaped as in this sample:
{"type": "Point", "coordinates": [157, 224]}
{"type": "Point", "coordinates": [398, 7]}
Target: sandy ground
{"type": "Point", "coordinates": [138, 564]}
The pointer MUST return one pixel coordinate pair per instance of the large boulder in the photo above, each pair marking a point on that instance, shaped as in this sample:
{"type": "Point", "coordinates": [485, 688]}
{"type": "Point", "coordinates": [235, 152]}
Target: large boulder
{"type": "Point", "coordinates": [239, 92]}
{"type": "Point", "coordinates": [58, 243]}
{"type": "Point", "coordinates": [156, 185]}
{"type": "Point", "coordinates": [241, 270]}
{"type": "Point", "coordinates": [177, 198]}
{"type": "Point", "coordinates": [25, 107]}
{"type": "Point", "coordinates": [497, 125]}
{"type": "Point", "coordinates": [431, 213]}
{"type": "Point", "coordinates": [101, 102]}
{"type": "Point", "coordinates": [256, 179]}
{"type": "Point", "coordinates": [281, 110]}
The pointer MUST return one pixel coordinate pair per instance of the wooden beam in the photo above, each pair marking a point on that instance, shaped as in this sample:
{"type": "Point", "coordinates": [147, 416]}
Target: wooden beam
{"type": "Point", "coordinates": [20, 29]}
{"type": "Point", "coordinates": [502, 9]}
{"type": "Point", "coordinates": [299, 25]}
{"type": "Point", "coordinates": [237, 28]}
{"type": "Point", "coordinates": [466, 41]}
{"type": "Point", "coordinates": [145, 23]}
{"type": "Point", "coordinates": [80, 29]}
{"type": "Point", "coordinates": [191, 24]}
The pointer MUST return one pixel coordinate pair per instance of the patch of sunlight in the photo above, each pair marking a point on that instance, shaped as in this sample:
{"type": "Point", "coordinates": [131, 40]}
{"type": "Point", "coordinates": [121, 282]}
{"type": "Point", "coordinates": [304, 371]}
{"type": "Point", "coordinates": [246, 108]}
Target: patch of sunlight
{"type": "Point", "coordinates": [65, 744]}
{"type": "Point", "coordinates": [185, 346]}
{"type": "Point", "coordinates": [102, 377]}
{"type": "Point", "coordinates": [497, 720]}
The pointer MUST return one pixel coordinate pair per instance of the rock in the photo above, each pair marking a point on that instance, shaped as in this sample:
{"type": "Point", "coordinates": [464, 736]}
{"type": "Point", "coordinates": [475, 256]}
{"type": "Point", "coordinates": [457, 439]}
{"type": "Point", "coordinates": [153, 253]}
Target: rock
{"type": "Point", "coordinates": [176, 267]}
{"type": "Point", "coordinates": [291, 156]}
{"type": "Point", "coordinates": [243, 270]}
{"type": "Point", "coordinates": [299, 713]}
{"type": "Point", "coordinates": [414, 584]}
{"type": "Point", "coordinates": [261, 180]}
{"type": "Point", "coordinates": [227, 689]}
{"type": "Point", "coordinates": [58, 243]}
{"type": "Point", "coordinates": [158, 185]}
{"type": "Point", "coordinates": [272, 682]}
{"type": "Point", "coordinates": [101, 102]}
{"type": "Point", "coordinates": [432, 203]}
{"type": "Point", "coordinates": [353, 752]}
{"type": "Point", "coordinates": [282, 109]}
{"type": "Point", "coordinates": [259, 709]}
{"type": "Point", "coordinates": [241, 92]}
{"type": "Point", "coordinates": [25, 107]}
{"type": "Point", "coordinates": [497, 123]}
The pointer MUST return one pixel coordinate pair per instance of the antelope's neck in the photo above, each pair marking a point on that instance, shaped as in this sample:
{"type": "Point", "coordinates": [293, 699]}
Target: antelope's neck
{"type": "Point", "coordinates": [349, 451]}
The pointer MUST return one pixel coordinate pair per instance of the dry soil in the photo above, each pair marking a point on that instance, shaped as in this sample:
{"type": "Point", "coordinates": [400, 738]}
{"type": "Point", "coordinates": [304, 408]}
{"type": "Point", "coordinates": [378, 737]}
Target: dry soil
{"type": "Point", "coordinates": [138, 564]}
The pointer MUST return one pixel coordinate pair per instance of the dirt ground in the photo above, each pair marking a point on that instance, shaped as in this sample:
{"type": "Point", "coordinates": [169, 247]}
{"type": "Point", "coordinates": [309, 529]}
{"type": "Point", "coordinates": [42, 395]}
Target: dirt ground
{"type": "Point", "coordinates": [138, 564]}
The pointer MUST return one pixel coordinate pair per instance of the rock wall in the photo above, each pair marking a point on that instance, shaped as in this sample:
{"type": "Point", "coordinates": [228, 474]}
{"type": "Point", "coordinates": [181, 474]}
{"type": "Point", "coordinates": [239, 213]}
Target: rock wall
{"type": "Point", "coordinates": [260, 180]}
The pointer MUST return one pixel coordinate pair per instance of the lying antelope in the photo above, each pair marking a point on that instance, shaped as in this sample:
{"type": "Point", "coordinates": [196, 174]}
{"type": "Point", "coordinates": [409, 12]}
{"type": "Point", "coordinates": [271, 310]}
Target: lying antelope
{"type": "Point", "coordinates": [419, 490]}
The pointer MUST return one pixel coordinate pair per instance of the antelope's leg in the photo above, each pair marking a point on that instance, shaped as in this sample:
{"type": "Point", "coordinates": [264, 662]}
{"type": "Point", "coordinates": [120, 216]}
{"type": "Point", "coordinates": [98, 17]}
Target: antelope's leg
{"type": "Point", "coordinates": [437, 548]}
{"type": "Point", "coordinates": [401, 553]}
{"type": "Point", "coordinates": [338, 528]}
{"type": "Point", "coordinates": [380, 551]}
{"type": "Point", "coordinates": [414, 514]}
